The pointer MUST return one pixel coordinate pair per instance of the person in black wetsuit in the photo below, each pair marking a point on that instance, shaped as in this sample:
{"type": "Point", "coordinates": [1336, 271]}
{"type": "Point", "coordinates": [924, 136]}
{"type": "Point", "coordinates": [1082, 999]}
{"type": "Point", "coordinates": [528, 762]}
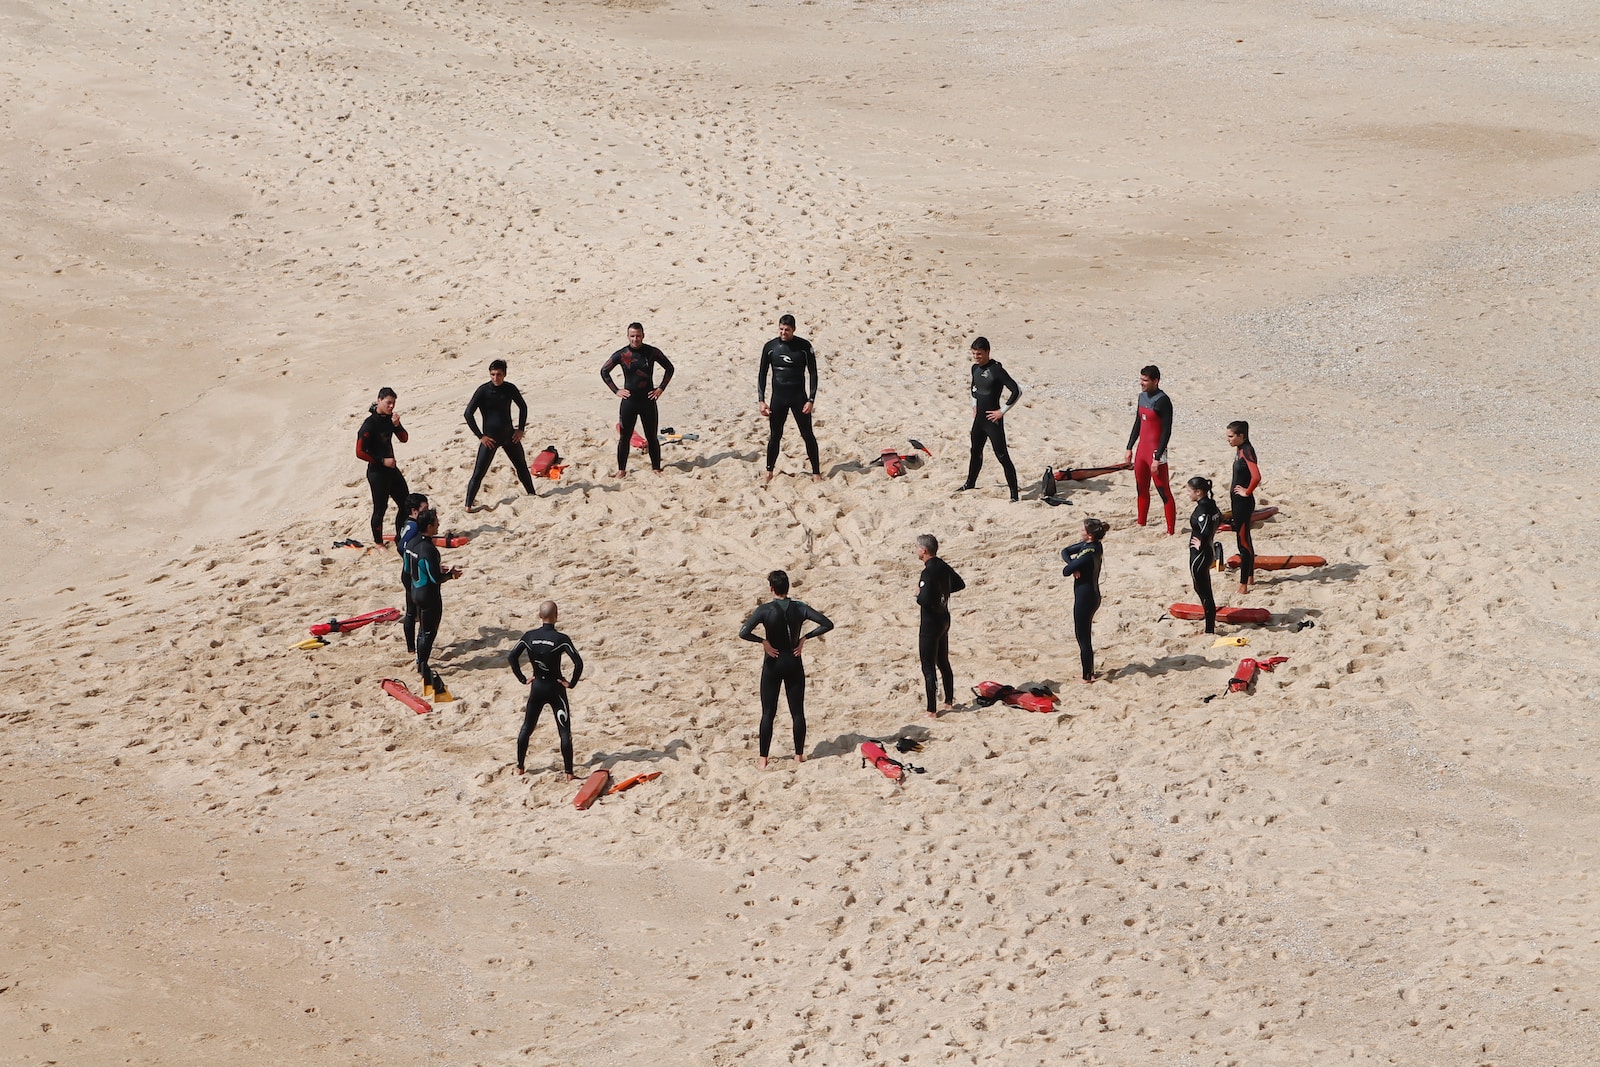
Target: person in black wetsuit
{"type": "Point", "coordinates": [375, 447]}
{"type": "Point", "coordinates": [934, 586]}
{"type": "Point", "coordinates": [414, 505]}
{"type": "Point", "coordinates": [989, 379]}
{"type": "Point", "coordinates": [1246, 478]}
{"type": "Point", "coordinates": [427, 576]}
{"type": "Point", "coordinates": [544, 648]}
{"type": "Point", "coordinates": [794, 389]}
{"type": "Point", "coordinates": [494, 399]}
{"type": "Point", "coordinates": [1204, 522]}
{"type": "Point", "coordinates": [639, 394]}
{"type": "Point", "coordinates": [781, 620]}
{"type": "Point", "coordinates": [1083, 566]}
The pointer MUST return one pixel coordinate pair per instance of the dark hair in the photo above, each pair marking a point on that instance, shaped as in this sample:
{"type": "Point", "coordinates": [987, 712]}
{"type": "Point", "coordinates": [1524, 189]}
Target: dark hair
{"type": "Point", "coordinates": [929, 542]}
{"type": "Point", "coordinates": [785, 320]}
{"type": "Point", "coordinates": [1202, 484]}
{"type": "Point", "coordinates": [979, 344]}
{"type": "Point", "coordinates": [386, 392]}
{"type": "Point", "coordinates": [636, 326]}
{"type": "Point", "coordinates": [1242, 428]}
{"type": "Point", "coordinates": [1096, 528]}
{"type": "Point", "coordinates": [415, 501]}
{"type": "Point", "coordinates": [426, 518]}
{"type": "Point", "coordinates": [1151, 371]}
{"type": "Point", "coordinates": [499, 365]}
{"type": "Point", "coordinates": [779, 581]}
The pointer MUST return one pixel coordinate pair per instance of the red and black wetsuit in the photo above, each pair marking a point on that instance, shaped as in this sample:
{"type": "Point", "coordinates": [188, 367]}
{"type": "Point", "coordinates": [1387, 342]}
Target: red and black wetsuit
{"type": "Point", "coordinates": [638, 378]}
{"type": "Point", "coordinates": [1083, 565]}
{"type": "Point", "coordinates": [374, 444]}
{"type": "Point", "coordinates": [544, 648]}
{"type": "Point", "coordinates": [495, 403]}
{"type": "Point", "coordinates": [934, 586]}
{"type": "Point", "coordinates": [781, 620]}
{"type": "Point", "coordinates": [1152, 430]}
{"type": "Point", "coordinates": [988, 381]}
{"type": "Point", "coordinates": [1246, 477]}
{"type": "Point", "coordinates": [794, 385]}
{"type": "Point", "coordinates": [1203, 524]}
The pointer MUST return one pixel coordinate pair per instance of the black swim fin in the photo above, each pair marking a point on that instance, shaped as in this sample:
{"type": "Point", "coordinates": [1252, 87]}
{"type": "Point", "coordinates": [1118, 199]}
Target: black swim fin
{"type": "Point", "coordinates": [1047, 486]}
{"type": "Point", "coordinates": [907, 744]}
{"type": "Point", "coordinates": [919, 446]}
{"type": "Point", "coordinates": [1056, 501]}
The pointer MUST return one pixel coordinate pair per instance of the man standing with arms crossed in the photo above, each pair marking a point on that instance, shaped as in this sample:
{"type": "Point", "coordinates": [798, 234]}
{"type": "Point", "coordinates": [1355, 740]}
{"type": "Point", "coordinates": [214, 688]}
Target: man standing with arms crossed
{"type": "Point", "coordinates": [794, 389]}
{"type": "Point", "coordinates": [1147, 446]}
{"type": "Point", "coordinates": [638, 394]}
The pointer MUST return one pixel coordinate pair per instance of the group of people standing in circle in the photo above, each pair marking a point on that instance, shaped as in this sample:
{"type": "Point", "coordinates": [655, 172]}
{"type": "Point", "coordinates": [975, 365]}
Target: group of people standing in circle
{"type": "Point", "coordinates": [791, 363]}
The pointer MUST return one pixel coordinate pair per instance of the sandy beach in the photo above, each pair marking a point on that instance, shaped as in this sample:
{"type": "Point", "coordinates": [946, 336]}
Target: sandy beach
{"type": "Point", "coordinates": [1369, 227]}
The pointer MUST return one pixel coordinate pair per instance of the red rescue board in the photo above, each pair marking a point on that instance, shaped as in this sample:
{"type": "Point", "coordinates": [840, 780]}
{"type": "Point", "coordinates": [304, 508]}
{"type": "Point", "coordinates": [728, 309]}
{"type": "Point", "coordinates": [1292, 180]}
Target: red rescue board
{"type": "Point", "coordinates": [593, 786]}
{"type": "Point", "coordinates": [1280, 563]}
{"type": "Point", "coordinates": [1259, 515]}
{"type": "Point", "coordinates": [1083, 474]}
{"type": "Point", "coordinates": [1228, 614]}
{"type": "Point", "coordinates": [398, 690]}
{"type": "Point", "coordinates": [339, 626]}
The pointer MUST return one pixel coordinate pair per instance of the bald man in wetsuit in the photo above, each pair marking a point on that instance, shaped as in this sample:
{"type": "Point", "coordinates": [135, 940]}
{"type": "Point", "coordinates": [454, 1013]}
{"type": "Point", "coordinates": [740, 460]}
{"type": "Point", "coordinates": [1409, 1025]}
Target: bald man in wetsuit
{"type": "Point", "coordinates": [544, 648]}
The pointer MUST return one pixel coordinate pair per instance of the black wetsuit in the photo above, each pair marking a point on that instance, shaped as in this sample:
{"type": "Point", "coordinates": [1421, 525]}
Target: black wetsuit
{"type": "Point", "coordinates": [638, 378]}
{"type": "Point", "coordinates": [1083, 564]}
{"type": "Point", "coordinates": [794, 385]}
{"type": "Point", "coordinates": [781, 621]}
{"type": "Point", "coordinates": [403, 542]}
{"type": "Point", "coordinates": [427, 576]}
{"type": "Point", "coordinates": [544, 648]}
{"type": "Point", "coordinates": [495, 402]}
{"type": "Point", "coordinates": [374, 444]}
{"type": "Point", "coordinates": [934, 586]}
{"type": "Point", "coordinates": [1244, 508]}
{"type": "Point", "coordinates": [1203, 524]}
{"type": "Point", "coordinates": [988, 381]}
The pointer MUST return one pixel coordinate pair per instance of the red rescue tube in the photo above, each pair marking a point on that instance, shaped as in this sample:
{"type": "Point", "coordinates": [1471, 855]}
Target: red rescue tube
{"type": "Point", "coordinates": [339, 626]}
{"type": "Point", "coordinates": [544, 462]}
{"type": "Point", "coordinates": [1280, 563]}
{"type": "Point", "coordinates": [873, 753]}
{"type": "Point", "coordinates": [1259, 515]}
{"type": "Point", "coordinates": [592, 787]}
{"type": "Point", "coordinates": [1083, 474]}
{"type": "Point", "coordinates": [445, 540]}
{"type": "Point", "coordinates": [1229, 614]}
{"type": "Point", "coordinates": [894, 464]}
{"type": "Point", "coordinates": [398, 690]}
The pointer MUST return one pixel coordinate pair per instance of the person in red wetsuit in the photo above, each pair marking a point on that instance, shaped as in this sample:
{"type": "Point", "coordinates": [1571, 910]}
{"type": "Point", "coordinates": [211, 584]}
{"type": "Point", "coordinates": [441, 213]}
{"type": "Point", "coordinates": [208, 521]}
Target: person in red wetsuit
{"type": "Point", "coordinates": [1147, 446]}
{"type": "Point", "coordinates": [1246, 478]}
{"type": "Point", "coordinates": [375, 447]}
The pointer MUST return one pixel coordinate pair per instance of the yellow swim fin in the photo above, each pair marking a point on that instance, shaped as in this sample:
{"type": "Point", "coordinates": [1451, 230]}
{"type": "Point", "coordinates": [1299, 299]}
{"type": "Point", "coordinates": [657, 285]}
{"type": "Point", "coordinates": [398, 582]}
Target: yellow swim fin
{"type": "Point", "coordinates": [1234, 641]}
{"type": "Point", "coordinates": [310, 643]}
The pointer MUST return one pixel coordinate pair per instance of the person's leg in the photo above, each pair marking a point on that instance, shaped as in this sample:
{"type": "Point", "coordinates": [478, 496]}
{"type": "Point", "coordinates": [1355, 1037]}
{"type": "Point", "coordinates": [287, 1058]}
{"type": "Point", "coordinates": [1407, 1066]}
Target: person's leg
{"type": "Point", "coordinates": [775, 421]}
{"type": "Point", "coordinates": [942, 654]}
{"type": "Point", "coordinates": [928, 652]}
{"type": "Point", "coordinates": [770, 680]}
{"type": "Point", "coordinates": [1162, 476]}
{"type": "Point", "coordinates": [802, 422]}
{"type": "Point", "coordinates": [1083, 609]}
{"type": "Point", "coordinates": [975, 457]}
{"type": "Point", "coordinates": [398, 493]}
{"type": "Point", "coordinates": [519, 461]}
{"type": "Point", "coordinates": [794, 689]}
{"type": "Point", "coordinates": [997, 439]}
{"type": "Point", "coordinates": [530, 719]}
{"type": "Point", "coordinates": [650, 418]}
{"type": "Point", "coordinates": [480, 467]}
{"type": "Point", "coordinates": [1200, 571]}
{"type": "Point", "coordinates": [378, 484]}
{"type": "Point", "coordinates": [1244, 510]}
{"type": "Point", "coordinates": [628, 417]}
{"type": "Point", "coordinates": [563, 712]}
{"type": "Point", "coordinates": [429, 618]}
{"type": "Point", "coordinates": [409, 624]}
{"type": "Point", "coordinates": [1141, 484]}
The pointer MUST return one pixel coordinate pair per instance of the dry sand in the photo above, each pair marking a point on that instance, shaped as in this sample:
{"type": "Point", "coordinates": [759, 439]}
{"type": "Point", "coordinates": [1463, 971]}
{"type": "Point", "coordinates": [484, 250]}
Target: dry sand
{"type": "Point", "coordinates": [1368, 227]}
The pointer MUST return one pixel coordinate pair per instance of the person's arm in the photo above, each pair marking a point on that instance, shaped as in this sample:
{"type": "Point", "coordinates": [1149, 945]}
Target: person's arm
{"type": "Point", "coordinates": [1011, 386]}
{"type": "Point", "coordinates": [811, 373]}
{"type": "Point", "coordinates": [956, 584]}
{"type": "Point", "coordinates": [1255, 472]}
{"type": "Point", "coordinates": [1164, 413]}
{"type": "Point", "coordinates": [1133, 434]}
{"type": "Point", "coordinates": [362, 451]}
{"type": "Point", "coordinates": [761, 375]}
{"type": "Point", "coordinates": [822, 621]}
{"type": "Point", "coordinates": [577, 664]}
{"type": "Point", "coordinates": [1077, 562]}
{"type": "Point", "coordinates": [666, 364]}
{"type": "Point", "coordinates": [514, 657]}
{"type": "Point", "coordinates": [605, 371]}
{"type": "Point", "coordinates": [471, 414]}
{"type": "Point", "coordinates": [748, 631]}
{"type": "Point", "coordinates": [522, 408]}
